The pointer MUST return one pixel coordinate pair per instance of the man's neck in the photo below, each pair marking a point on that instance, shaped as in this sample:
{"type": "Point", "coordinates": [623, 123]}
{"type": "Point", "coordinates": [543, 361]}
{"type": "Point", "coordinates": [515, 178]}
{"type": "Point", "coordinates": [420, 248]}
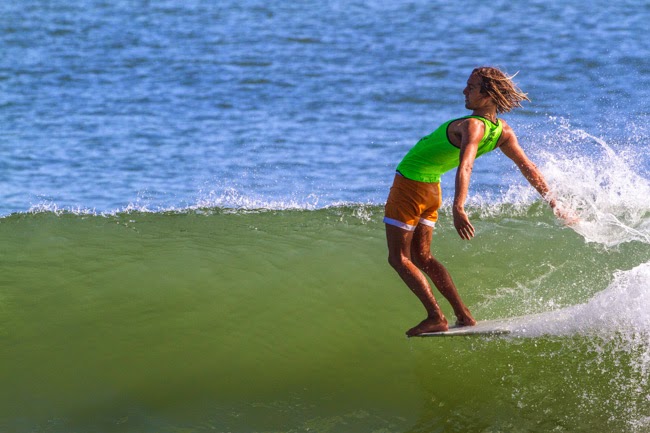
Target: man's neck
{"type": "Point", "coordinates": [490, 115]}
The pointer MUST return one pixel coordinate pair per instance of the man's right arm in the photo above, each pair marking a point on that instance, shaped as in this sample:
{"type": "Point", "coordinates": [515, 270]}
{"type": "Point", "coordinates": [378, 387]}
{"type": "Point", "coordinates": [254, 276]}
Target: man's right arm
{"type": "Point", "coordinates": [470, 131]}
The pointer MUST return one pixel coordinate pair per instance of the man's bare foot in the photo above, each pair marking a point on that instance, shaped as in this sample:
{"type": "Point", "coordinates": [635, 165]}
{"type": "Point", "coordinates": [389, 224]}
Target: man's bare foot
{"type": "Point", "coordinates": [428, 325]}
{"type": "Point", "coordinates": [466, 320]}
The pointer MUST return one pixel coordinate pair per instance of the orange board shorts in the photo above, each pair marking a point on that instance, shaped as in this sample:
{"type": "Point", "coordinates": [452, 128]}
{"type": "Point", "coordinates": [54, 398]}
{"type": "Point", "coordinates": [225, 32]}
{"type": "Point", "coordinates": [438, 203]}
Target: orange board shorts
{"type": "Point", "coordinates": [411, 203]}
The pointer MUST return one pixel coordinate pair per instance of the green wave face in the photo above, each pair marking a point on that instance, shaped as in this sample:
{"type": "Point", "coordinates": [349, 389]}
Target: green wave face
{"type": "Point", "coordinates": [289, 320]}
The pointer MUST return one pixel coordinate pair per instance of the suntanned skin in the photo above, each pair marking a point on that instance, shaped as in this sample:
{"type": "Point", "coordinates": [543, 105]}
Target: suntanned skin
{"type": "Point", "coordinates": [409, 253]}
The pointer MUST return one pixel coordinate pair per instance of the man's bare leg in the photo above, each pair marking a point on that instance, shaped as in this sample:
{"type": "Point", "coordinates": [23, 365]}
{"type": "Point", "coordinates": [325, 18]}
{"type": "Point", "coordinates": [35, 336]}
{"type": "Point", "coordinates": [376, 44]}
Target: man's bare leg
{"type": "Point", "coordinates": [399, 257]}
{"type": "Point", "coordinates": [423, 259]}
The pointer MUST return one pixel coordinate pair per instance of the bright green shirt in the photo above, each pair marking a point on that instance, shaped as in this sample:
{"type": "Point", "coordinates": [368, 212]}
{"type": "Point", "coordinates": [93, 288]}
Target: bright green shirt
{"type": "Point", "coordinates": [434, 154]}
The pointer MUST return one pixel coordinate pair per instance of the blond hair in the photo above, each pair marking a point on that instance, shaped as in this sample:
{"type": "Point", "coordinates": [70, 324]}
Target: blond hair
{"type": "Point", "coordinates": [503, 91]}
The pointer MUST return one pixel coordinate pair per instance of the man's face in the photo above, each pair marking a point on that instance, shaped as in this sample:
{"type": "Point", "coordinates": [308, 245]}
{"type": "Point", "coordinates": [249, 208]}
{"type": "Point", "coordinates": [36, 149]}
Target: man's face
{"type": "Point", "coordinates": [474, 99]}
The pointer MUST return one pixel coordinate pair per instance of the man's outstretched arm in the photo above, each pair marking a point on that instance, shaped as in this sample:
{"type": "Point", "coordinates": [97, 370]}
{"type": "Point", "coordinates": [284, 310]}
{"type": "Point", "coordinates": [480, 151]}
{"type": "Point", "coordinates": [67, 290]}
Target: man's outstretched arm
{"type": "Point", "coordinates": [528, 169]}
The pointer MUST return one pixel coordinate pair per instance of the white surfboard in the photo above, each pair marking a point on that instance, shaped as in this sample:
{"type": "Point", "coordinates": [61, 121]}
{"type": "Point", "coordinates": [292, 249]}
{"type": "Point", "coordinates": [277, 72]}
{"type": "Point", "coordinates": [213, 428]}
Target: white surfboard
{"type": "Point", "coordinates": [484, 327]}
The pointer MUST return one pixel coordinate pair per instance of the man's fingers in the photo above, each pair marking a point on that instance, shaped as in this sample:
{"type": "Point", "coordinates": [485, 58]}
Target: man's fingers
{"type": "Point", "coordinates": [466, 231]}
{"type": "Point", "coordinates": [463, 226]}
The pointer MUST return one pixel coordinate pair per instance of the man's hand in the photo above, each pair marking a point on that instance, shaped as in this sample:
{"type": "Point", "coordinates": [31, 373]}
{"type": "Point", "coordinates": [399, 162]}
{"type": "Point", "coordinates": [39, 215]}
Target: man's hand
{"type": "Point", "coordinates": [567, 216]}
{"type": "Point", "coordinates": [464, 228]}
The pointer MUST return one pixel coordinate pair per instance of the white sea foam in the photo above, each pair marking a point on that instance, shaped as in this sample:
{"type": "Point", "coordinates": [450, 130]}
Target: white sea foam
{"type": "Point", "coordinates": [234, 199]}
{"type": "Point", "coordinates": [229, 199]}
{"type": "Point", "coordinates": [51, 207]}
{"type": "Point", "coordinates": [605, 189]}
{"type": "Point", "coordinates": [622, 308]}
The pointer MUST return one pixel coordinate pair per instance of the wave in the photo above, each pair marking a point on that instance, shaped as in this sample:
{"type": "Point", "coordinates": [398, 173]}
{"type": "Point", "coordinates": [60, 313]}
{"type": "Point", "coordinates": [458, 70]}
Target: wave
{"type": "Point", "coordinates": [209, 307]}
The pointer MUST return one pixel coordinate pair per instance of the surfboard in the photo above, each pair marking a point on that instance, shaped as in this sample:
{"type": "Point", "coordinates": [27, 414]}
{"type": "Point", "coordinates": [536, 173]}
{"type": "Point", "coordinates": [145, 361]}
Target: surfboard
{"type": "Point", "coordinates": [484, 327]}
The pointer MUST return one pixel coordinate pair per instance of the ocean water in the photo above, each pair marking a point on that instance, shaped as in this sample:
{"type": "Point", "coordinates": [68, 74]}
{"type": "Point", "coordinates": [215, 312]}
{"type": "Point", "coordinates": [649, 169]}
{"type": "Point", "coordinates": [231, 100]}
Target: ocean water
{"type": "Point", "coordinates": [191, 196]}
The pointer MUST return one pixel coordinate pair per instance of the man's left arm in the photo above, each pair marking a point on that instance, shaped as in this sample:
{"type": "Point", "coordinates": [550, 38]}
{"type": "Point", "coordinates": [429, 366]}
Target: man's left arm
{"type": "Point", "coordinates": [528, 169]}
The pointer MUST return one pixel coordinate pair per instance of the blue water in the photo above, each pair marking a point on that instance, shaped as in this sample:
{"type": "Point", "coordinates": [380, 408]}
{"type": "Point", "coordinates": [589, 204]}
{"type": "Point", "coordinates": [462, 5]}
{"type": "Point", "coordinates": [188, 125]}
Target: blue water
{"type": "Point", "coordinates": [177, 312]}
{"type": "Point", "coordinates": [169, 104]}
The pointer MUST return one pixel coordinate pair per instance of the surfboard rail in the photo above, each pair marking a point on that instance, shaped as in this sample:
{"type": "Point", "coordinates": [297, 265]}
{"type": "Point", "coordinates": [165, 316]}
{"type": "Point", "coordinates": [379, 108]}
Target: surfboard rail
{"type": "Point", "coordinates": [484, 327]}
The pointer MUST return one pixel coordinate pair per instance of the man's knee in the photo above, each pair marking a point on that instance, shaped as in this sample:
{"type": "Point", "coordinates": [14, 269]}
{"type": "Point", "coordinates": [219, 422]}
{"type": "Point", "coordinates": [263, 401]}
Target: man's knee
{"type": "Point", "coordinates": [398, 261]}
{"type": "Point", "coordinates": [421, 260]}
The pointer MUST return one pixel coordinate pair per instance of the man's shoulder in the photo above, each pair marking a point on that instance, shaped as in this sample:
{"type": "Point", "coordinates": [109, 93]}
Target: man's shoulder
{"type": "Point", "coordinates": [507, 135]}
{"type": "Point", "coordinates": [466, 122]}
{"type": "Point", "coordinates": [507, 130]}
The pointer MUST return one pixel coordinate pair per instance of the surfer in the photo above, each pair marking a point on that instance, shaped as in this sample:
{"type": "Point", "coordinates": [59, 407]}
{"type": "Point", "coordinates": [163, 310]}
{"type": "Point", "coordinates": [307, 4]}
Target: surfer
{"type": "Point", "coordinates": [412, 206]}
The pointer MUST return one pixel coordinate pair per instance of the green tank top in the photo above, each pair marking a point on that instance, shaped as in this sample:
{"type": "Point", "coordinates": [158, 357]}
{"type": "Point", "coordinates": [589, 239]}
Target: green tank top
{"type": "Point", "coordinates": [434, 154]}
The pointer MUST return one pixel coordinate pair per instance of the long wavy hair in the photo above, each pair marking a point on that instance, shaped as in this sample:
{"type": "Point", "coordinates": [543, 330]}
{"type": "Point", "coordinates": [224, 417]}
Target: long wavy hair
{"type": "Point", "coordinates": [501, 88]}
